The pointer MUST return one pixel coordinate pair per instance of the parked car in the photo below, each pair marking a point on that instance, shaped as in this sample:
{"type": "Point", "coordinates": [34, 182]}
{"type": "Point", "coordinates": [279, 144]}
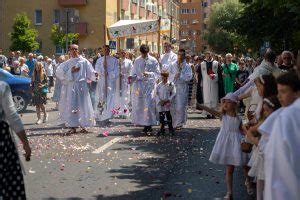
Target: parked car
{"type": "Point", "coordinates": [20, 88]}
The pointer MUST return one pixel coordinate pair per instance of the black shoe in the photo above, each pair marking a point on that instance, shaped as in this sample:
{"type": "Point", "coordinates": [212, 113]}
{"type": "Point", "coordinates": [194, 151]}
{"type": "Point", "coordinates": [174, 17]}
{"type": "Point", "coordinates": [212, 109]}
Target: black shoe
{"type": "Point", "coordinates": [149, 129]}
{"type": "Point", "coordinates": [159, 133]}
{"type": "Point", "coordinates": [145, 129]}
{"type": "Point", "coordinates": [213, 117]}
{"type": "Point", "coordinates": [208, 117]}
{"type": "Point", "coordinates": [172, 132]}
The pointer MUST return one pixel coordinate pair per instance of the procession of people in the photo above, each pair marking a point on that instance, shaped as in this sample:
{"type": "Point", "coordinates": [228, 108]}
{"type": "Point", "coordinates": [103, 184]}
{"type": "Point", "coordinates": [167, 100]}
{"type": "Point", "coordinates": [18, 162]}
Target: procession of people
{"type": "Point", "coordinates": [256, 100]}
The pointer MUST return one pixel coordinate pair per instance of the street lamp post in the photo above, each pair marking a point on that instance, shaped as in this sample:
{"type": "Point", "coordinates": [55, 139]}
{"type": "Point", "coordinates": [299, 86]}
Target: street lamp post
{"type": "Point", "coordinates": [67, 30]}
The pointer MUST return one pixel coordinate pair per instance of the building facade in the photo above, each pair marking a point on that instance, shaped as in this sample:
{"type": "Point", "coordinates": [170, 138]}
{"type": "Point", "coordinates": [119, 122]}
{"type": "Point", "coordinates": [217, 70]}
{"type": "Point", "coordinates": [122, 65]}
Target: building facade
{"type": "Point", "coordinates": [86, 17]}
{"type": "Point", "coordinates": [89, 18]}
{"type": "Point", "coordinates": [191, 17]}
{"type": "Point", "coordinates": [151, 9]}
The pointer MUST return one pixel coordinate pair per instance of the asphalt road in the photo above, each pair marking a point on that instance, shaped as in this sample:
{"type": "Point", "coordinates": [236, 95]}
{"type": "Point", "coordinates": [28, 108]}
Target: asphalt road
{"type": "Point", "coordinates": [120, 162]}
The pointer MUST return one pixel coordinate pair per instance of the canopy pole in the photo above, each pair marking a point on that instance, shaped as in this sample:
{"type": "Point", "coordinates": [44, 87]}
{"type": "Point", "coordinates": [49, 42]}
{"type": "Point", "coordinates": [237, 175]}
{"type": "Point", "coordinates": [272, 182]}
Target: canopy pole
{"type": "Point", "coordinates": [158, 35]}
{"type": "Point", "coordinates": [118, 17]}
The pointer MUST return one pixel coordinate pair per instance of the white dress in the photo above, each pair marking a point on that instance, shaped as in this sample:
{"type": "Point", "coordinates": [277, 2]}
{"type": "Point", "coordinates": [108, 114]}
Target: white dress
{"type": "Point", "coordinates": [258, 169]}
{"type": "Point", "coordinates": [227, 149]}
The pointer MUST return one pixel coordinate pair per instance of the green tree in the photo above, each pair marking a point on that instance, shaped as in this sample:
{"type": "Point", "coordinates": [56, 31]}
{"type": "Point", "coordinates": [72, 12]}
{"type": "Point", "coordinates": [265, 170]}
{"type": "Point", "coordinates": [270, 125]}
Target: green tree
{"type": "Point", "coordinates": [276, 21]}
{"type": "Point", "coordinates": [221, 34]}
{"type": "Point", "coordinates": [23, 37]}
{"type": "Point", "coordinates": [60, 39]}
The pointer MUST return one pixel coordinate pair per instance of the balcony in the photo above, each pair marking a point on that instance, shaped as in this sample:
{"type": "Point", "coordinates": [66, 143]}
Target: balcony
{"type": "Point", "coordinates": [72, 2]}
{"type": "Point", "coordinates": [81, 28]}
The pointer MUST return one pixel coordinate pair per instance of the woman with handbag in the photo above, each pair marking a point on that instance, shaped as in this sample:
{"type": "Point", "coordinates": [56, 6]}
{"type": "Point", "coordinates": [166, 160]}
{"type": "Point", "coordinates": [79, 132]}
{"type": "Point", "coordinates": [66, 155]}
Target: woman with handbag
{"type": "Point", "coordinates": [11, 178]}
{"type": "Point", "coordinates": [39, 86]}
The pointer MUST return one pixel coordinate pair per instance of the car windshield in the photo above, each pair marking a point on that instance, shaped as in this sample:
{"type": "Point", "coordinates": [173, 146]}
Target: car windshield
{"type": "Point", "coordinates": [5, 74]}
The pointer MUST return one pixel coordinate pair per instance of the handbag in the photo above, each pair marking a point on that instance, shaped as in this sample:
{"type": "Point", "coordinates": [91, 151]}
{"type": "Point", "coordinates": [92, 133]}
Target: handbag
{"type": "Point", "coordinates": [246, 146]}
{"type": "Point", "coordinates": [45, 90]}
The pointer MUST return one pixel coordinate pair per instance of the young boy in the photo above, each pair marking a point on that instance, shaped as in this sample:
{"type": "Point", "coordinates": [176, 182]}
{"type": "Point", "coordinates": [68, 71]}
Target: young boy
{"type": "Point", "coordinates": [165, 92]}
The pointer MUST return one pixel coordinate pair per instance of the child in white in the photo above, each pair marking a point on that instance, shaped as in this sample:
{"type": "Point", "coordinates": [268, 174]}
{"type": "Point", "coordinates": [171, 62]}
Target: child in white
{"type": "Point", "coordinates": [165, 92]}
{"type": "Point", "coordinates": [227, 149]}
{"type": "Point", "coordinates": [270, 105]}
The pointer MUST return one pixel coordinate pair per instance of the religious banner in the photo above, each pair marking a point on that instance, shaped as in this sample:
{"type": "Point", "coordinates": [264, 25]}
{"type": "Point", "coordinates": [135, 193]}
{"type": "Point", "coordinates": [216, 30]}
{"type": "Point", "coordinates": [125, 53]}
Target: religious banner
{"type": "Point", "coordinates": [129, 28]}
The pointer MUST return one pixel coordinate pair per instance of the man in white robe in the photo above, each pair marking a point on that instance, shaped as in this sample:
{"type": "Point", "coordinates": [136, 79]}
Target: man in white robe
{"type": "Point", "coordinates": [123, 96]}
{"type": "Point", "coordinates": [182, 77]}
{"type": "Point", "coordinates": [75, 104]}
{"type": "Point", "coordinates": [108, 69]}
{"type": "Point", "coordinates": [144, 75]}
{"type": "Point", "coordinates": [282, 160]}
{"type": "Point", "coordinates": [209, 71]}
{"type": "Point", "coordinates": [168, 61]}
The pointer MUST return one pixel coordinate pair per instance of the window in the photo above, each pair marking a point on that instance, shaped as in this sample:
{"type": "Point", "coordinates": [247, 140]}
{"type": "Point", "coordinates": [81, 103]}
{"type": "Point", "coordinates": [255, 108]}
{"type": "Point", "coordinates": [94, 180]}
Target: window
{"type": "Point", "coordinates": [154, 9]}
{"type": "Point", "coordinates": [204, 26]}
{"type": "Point", "coordinates": [142, 3]}
{"type": "Point", "coordinates": [56, 18]}
{"type": "Point", "coordinates": [134, 1]}
{"type": "Point", "coordinates": [204, 15]}
{"type": "Point", "coordinates": [58, 50]}
{"type": "Point", "coordinates": [185, 11]}
{"type": "Point", "coordinates": [193, 11]}
{"type": "Point", "coordinates": [184, 22]}
{"type": "Point", "coordinates": [122, 14]}
{"type": "Point", "coordinates": [38, 17]}
{"type": "Point", "coordinates": [205, 4]}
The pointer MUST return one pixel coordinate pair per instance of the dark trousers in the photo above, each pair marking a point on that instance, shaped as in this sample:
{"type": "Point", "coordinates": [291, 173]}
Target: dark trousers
{"type": "Point", "coordinates": [162, 116]}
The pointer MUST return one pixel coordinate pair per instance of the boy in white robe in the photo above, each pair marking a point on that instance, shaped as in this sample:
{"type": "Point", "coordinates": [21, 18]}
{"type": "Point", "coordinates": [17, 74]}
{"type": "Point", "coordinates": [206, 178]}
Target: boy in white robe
{"type": "Point", "coordinates": [144, 75]}
{"type": "Point", "coordinates": [282, 158]}
{"type": "Point", "coordinates": [108, 68]}
{"type": "Point", "coordinates": [183, 76]}
{"type": "Point", "coordinates": [165, 92]}
{"type": "Point", "coordinates": [75, 104]}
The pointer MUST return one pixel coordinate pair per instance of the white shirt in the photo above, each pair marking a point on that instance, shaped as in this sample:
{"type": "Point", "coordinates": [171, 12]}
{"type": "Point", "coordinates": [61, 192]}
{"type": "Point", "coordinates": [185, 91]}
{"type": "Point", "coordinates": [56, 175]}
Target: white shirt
{"type": "Point", "coordinates": [168, 62]}
{"type": "Point", "coordinates": [164, 92]}
{"type": "Point", "coordinates": [22, 68]}
{"type": "Point", "coordinates": [282, 157]}
{"type": "Point", "coordinates": [49, 70]}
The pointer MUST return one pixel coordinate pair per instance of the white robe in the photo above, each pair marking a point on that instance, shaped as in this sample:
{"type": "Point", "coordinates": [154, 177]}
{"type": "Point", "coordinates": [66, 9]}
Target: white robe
{"type": "Point", "coordinates": [109, 98]}
{"type": "Point", "coordinates": [282, 156]}
{"type": "Point", "coordinates": [179, 105]}
{"type": "Point", "coordinates": [210, 86]}
{"type": "Point", "coordinates": [164, 92]}
{"type": "Point", "coordinates": [75, 104]}
{"type": "Point", "coordinates": [143, 89]}
{"type": "Point", "coordinates": [123, 94]}
{"type": "Point", "coordinates": [168, 63]}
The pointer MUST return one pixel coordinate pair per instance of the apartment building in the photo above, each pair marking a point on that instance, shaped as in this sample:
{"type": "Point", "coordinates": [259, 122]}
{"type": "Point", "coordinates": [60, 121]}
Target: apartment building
{"type": "Point", "coordinates": [89, 18]}
{"type": "Point", "coordinates": [191, 26]}
{"type": "Point", "coordinates": [86, 17]}
{"type": "Point", "coordinates": [151, 9]}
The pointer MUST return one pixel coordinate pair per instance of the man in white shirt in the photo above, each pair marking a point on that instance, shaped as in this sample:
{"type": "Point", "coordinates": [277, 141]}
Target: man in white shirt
{"type": "Point", "coordinates": [123, 96]}
{"type": "Point", "coordinates": [209, 71]}
{"type": "Point", "coordinates": [168, 61]}
{"type": "Point", "coordinates": [144, 74]}
{"type": "Point", "coordinates": [108, 70]}
{"type": "Point", "coordinates": [75, 105]}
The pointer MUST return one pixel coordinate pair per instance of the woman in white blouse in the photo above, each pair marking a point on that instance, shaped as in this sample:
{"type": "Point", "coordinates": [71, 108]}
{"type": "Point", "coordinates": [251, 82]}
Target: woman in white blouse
{"type": "Point", "coordinates": [11, 181]}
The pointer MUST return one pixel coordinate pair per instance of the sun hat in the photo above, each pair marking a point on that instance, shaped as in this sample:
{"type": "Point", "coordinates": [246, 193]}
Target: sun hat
{"type": "Point", "coordinates": [230, 96]}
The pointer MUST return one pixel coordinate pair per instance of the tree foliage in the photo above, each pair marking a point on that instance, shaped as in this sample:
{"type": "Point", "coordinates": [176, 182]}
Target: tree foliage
{"type": "Point", "coordinates": [23, 37]}
{"type": "Point", "coordinates": [59, 38]}
{"type": "Point", "coordinates": [276, 21]}
{"type": "Point", "coordinates": [221, 35]}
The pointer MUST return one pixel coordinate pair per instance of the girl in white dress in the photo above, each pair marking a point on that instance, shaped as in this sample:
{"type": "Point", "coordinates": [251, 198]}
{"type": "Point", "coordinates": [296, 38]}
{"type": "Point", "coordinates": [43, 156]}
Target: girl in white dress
{"type": "Point", "coordinates": [259, 139]}
{"type": "Point", "coordinates": [227, 149]}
